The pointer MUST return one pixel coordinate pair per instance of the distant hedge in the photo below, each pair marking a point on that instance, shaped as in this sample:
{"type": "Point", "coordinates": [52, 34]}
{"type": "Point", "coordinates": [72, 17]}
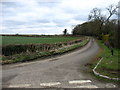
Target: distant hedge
{"type": "Point", "coordinates": [9, 50]}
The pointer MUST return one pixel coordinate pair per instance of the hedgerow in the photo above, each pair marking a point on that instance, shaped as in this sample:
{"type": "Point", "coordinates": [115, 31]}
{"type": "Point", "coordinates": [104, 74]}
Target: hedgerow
{"type": "Point", "coordinates": [9, 50]}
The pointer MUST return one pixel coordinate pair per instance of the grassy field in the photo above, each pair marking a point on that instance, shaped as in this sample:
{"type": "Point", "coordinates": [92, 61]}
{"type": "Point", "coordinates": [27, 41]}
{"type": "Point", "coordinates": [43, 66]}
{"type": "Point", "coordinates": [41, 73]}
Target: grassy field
{"type": "Point", "coordinates": [32, 56]}
{"type": "Point", "coordinates": [6, 40]}
{"type": "Point", "coordinates": [24, 48]}
{"type": "Point", "coordinates": [109, 66]}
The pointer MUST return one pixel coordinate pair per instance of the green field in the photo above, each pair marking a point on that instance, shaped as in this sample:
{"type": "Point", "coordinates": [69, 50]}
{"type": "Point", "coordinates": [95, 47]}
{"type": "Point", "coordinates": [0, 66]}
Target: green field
{"type": "Point", "coordinates": [6, 40]}
{"type": "Point", "coordinates": [27, 56]}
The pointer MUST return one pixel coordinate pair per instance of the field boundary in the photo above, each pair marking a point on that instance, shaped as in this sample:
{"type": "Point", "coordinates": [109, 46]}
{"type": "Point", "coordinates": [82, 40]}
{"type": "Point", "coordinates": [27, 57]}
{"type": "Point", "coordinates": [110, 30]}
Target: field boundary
{"type": "Point", "coordinates": [9, 50]}
{"type": "Point", "coordinates": [59, 51]}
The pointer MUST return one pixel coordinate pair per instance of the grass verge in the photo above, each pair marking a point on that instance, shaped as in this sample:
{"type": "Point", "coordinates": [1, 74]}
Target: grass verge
{"type": "Point", "coordinates": [32, 56]}
{"type": "Point", "coordinates": [109, 66]}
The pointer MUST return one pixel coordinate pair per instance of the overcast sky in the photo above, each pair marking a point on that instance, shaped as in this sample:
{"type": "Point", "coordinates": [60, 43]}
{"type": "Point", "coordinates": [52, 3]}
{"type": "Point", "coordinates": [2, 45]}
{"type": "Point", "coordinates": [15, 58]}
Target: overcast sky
{"type": "Point", "coordinates": [46, 16]}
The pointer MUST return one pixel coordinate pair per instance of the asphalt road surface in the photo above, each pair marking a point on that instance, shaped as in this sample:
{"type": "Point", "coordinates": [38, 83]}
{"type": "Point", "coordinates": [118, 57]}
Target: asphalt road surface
{"type": "Point", "coordinates": [66, 71]}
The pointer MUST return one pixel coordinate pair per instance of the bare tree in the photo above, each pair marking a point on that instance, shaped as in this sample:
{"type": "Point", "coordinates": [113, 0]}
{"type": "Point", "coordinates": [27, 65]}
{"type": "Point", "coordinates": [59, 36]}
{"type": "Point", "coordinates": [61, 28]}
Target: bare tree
{"type": "Point", "coordinates": [112, 10]}
{"type": "Point", "coordinates": [96, 15]}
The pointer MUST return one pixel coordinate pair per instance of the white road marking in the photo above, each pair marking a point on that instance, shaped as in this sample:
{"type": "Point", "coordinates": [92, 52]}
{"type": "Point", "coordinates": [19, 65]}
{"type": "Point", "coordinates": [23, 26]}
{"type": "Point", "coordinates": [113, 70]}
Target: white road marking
{"type": "Point", "coordinates": [50, 84]}
{"type": "Point", "coordinates": [88, 86]}
{"type": "Point", "coordinates": [20, 86]}
{"type": "Point", "coordinates": [110, 85]}
{"type": "Point", "coordinates": [79, 81]}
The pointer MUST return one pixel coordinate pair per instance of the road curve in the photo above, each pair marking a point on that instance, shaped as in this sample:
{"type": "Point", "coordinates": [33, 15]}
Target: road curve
{"type": "Point", "coordinates": [66, 71]}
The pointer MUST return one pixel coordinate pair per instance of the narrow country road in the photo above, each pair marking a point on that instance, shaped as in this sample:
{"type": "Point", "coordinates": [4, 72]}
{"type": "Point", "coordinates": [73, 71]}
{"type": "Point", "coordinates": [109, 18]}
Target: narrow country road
{"type": "Point", "coordinates": [66, 71]}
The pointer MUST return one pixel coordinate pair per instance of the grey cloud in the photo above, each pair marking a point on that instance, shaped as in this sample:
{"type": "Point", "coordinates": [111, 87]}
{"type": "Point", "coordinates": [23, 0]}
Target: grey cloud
{"type": "Point", "coordinates": [61, 23]}
{"type": "Point", "coordinates": [70, 10]}
{"type": "Point", "coordinates": [80, 17]}
{"type": "Point", "coordinates": [11, 4]}
{"type": "Point", "coordinates": [12, 22]}
{"type": "Point", "coordinates": [42, 21]}
{"type": "Point", "coordinates": [48, 4]}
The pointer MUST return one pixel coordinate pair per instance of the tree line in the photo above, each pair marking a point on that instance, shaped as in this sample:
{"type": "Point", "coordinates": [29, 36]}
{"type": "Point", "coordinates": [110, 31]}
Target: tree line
{"type": "Point", "coordinates": [99, 25]}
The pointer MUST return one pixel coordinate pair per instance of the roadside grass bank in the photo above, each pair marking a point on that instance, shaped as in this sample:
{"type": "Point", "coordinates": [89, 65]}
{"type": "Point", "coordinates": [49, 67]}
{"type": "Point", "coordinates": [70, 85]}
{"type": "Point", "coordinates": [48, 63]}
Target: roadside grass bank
{"type": "Point", "coordinates": [109, 66]}
{"type": "Point", "coordinates": [28, 56]}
